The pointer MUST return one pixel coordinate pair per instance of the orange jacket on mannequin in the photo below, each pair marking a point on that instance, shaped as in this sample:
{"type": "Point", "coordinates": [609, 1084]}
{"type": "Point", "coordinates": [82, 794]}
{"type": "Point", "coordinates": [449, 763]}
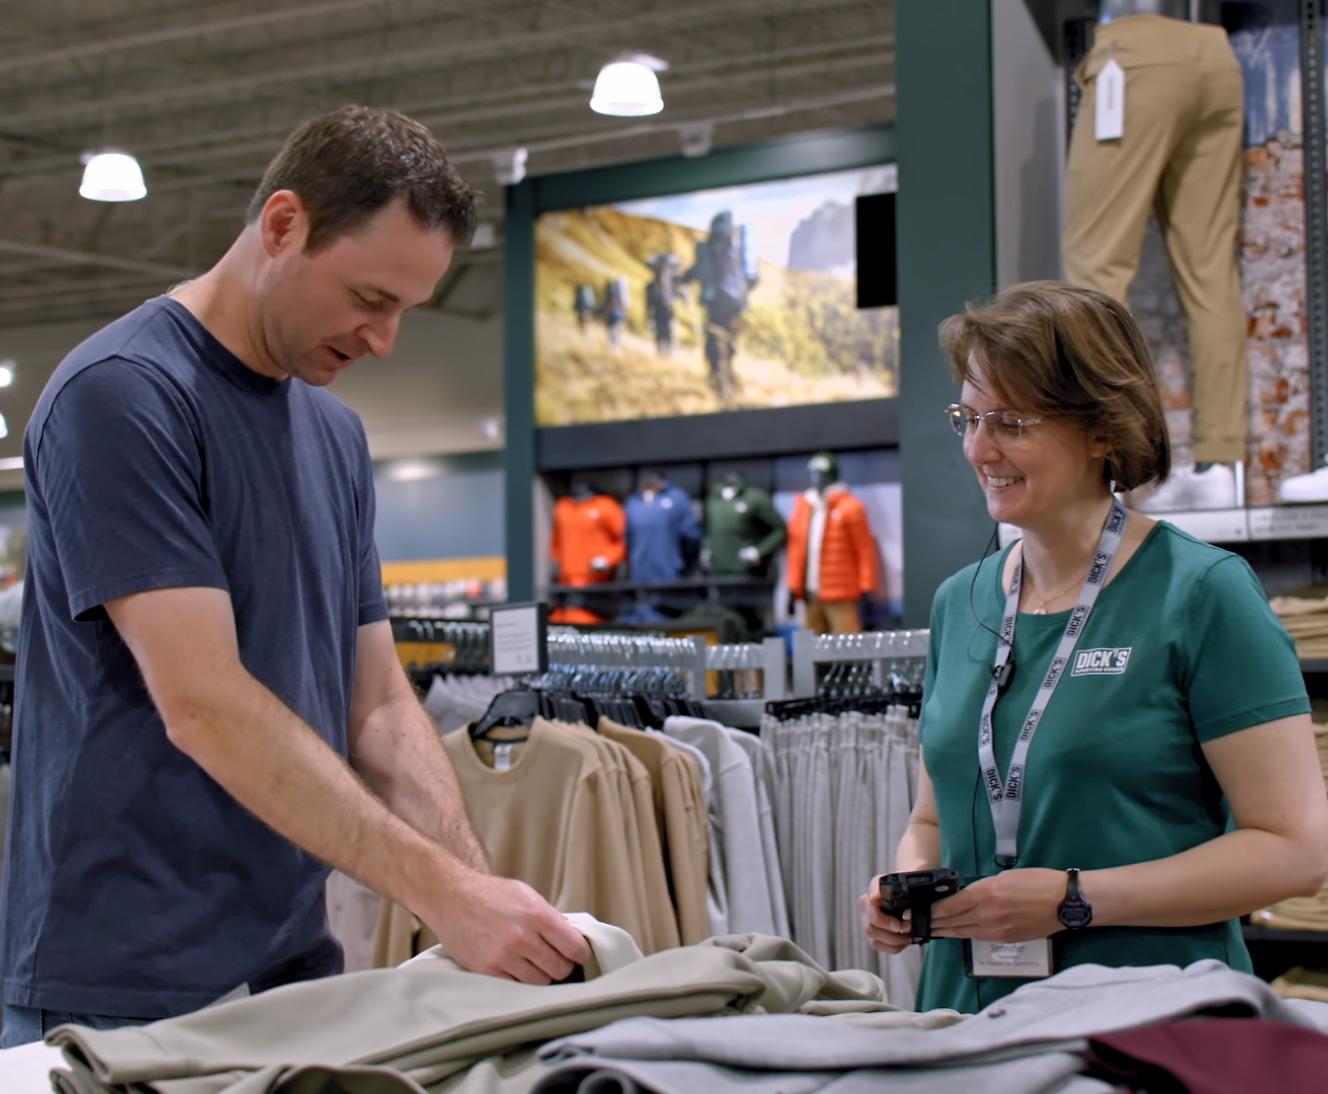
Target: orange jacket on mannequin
{"type": "Point", "coordinates": [848, 566]}
{"type": "Point", "coordinates": [586, 530]}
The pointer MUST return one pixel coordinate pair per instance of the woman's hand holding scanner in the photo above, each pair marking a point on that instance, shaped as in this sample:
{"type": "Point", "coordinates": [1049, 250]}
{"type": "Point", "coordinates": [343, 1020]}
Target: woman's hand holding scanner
{"type": "Point", "coordinates": [902, 904]}
{"type": "Point", "coordinates": [886, 934]}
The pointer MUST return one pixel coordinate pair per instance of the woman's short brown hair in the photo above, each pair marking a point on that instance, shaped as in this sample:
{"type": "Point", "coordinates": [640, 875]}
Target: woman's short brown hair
{"type": "Point", "coordinates": [1059, 351]}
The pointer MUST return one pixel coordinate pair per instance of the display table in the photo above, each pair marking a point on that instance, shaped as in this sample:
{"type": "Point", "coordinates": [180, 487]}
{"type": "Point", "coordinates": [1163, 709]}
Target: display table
{"type": "Point", "coordinates": [27, 1069]}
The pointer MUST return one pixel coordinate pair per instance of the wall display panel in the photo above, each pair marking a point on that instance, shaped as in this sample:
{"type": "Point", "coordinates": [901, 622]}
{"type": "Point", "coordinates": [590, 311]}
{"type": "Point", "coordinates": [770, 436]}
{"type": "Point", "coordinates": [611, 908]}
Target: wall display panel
{"type": "Point", "coordinates": [743, 604]}
{"type": "Point", "coordinates": [731, 298]}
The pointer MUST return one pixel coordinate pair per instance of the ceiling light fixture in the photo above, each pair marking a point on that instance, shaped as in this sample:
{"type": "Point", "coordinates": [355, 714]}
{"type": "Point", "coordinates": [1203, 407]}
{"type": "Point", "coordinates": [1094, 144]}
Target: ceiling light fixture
{"type": "Point", "coordinates": [112, 176]}
{"type": "Point", "coordinates": [7, 367]}
{"type": "Point", "coordinates": [509, 166]}
{"type": "Point", "coordinates": [627, 87]}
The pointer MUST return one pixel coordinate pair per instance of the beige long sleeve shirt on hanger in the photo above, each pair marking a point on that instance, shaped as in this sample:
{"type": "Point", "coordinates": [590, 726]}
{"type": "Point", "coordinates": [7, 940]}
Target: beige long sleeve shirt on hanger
{"type": "Point", "coordinates": [680, 812]}
{"type": "Point", "coordinates": [643, 834]}
{"type": "Point", "coordinates": [555, 820]}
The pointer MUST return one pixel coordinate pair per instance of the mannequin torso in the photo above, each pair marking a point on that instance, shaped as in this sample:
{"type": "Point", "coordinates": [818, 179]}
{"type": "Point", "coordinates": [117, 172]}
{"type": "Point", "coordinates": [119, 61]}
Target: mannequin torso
{"type": "Point", "coordinates": [1115, 9]}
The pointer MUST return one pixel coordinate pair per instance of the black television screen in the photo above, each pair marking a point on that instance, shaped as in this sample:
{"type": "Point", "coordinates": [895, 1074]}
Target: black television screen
{"type": "Point", "coordinates": [738, 298]}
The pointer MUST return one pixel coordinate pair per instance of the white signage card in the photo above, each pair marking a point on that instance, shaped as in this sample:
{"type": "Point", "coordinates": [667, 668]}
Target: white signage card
{"type": "Point", "coordinates": [1111, 102]}
{"type": "Point", "coordinates": [1289, 522]}
{"type": "Point", "coordinates": [517, 638]}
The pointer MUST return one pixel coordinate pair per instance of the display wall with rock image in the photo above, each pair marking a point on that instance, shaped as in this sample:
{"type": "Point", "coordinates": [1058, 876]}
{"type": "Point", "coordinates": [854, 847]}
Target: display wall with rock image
{"type": "Point", "coordinates": [1272, 261]}
{"type": "Point", "coordinates": [737, 298]}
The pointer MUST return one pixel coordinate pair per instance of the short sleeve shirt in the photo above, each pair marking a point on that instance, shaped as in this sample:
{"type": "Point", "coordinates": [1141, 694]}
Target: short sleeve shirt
{"type": "Point", "coordinates": [135, 885]}
{"type": "Point", "coordinates": [1181, 648]}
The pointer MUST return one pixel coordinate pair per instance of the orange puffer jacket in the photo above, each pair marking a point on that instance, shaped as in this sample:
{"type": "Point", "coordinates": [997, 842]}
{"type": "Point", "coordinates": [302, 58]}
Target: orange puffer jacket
{"type": "Point", "coordinates": [849, 566]}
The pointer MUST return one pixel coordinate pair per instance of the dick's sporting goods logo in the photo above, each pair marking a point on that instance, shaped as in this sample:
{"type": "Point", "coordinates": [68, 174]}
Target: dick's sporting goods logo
{"type": "Point", "coordinates": [1103, 662]}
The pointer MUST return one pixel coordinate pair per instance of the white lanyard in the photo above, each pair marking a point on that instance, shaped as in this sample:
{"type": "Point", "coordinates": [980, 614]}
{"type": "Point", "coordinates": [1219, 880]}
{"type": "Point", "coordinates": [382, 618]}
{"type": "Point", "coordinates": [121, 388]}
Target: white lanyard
{"type": "Point", "coordinates": [1007, 798]}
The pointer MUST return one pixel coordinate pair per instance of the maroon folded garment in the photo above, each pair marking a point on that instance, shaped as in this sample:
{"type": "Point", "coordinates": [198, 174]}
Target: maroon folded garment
{"type": "Point", "coordinates": [1213, 1056]}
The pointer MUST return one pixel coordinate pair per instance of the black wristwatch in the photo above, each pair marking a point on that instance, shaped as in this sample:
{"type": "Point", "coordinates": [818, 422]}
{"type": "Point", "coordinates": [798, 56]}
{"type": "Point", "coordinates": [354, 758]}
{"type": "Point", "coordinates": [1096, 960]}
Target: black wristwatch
{"type": "Point", "coordinates": [1074, 911]}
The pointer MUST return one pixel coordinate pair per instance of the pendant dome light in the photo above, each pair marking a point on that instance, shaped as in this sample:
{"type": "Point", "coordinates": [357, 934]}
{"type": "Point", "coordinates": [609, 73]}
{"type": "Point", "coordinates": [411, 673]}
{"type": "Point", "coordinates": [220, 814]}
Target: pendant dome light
{"type": "Point", "coordinates": [112, 176]}
{"type": "Point", "coordinates": [627, 87]}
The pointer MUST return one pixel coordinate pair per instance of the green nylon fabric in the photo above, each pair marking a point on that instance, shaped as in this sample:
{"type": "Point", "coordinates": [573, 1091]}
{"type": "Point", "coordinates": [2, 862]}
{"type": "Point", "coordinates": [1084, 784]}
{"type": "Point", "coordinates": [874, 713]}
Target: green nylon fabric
{"type": "Point", "coordinates": [1181, 648]}
{"type": "Point", "coordinates": [748, 519]}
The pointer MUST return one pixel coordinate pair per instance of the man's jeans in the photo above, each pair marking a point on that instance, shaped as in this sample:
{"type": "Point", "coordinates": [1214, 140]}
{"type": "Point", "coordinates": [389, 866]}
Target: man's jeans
{"type": "Point", "coordinates": [22, 1025]}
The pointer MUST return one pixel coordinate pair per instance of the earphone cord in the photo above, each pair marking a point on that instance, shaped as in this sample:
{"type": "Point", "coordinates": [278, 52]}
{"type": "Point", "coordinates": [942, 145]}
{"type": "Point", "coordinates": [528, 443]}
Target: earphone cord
{"type": "Point", "coordinates": [986, 553]}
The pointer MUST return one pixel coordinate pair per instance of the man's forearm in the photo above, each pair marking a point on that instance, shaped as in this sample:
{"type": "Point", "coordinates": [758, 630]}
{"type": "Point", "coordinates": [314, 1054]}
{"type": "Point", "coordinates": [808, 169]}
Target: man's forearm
{"type": "Point", "coordinates": [279, 769]}
{"type": "Point", "coordinates": [400, 757]}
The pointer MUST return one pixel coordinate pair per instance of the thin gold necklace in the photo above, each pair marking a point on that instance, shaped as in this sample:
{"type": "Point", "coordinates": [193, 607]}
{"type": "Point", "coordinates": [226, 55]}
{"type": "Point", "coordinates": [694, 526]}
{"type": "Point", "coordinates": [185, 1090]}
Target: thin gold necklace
{"type": "Point", "coordinates": [1043, 602]}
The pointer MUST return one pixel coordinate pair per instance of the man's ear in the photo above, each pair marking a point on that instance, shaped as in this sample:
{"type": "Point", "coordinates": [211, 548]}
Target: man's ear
{"type": "Point", "coordinates": [283, 225]}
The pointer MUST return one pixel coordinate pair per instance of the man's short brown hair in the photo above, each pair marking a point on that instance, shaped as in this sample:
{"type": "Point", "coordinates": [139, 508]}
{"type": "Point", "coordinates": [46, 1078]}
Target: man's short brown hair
{"type": "Point", "coordinates": [346, 165]}
{"type": "Point", "coordinates": [1058, 351]}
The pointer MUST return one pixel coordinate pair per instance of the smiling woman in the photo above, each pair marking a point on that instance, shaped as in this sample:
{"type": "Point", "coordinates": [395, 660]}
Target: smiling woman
{"type": "Point", "coordinates": [1146, 758]}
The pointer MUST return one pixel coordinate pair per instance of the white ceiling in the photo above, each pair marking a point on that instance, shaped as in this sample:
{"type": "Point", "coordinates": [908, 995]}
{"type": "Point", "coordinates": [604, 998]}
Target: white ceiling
{"type": "Point", "coordinates": [204, 91]}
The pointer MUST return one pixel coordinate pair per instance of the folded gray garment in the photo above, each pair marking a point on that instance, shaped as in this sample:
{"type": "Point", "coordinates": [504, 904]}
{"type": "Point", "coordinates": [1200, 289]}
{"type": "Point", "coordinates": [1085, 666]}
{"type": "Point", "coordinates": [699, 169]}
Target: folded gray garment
{"type": "Point", "coordinates": [1050, 1073]}
{"type": "Point", "coordinates": [390, 1031]}
{"type": "Point", "coordinates": [1042, 1016]}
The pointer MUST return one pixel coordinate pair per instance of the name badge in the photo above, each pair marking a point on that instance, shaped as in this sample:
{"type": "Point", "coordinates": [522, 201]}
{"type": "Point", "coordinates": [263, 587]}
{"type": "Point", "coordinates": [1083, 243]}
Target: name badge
{"type": "Point", "coordinates": [1011, 960]}
{"type": "Point", "coordinates": [1110, 102]}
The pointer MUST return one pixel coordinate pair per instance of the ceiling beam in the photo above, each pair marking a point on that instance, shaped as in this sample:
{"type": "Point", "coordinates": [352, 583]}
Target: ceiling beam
{"type": "Point", "coordinates": [565, 137]}
{"type": "Point", "coordinates": [91, 258]}
{"type": "Point", "coordinates": [731, 68]}
{"type": "Point", "coordinates": [183, 31]}
{"type": "Point", "coordinates": [103, 109]}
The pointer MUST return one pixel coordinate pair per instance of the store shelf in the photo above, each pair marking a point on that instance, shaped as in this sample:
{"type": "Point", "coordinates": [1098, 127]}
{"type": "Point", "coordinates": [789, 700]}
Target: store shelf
{"type": "Point", "coordinates": [681, 585]}
{"type": "Point", "coordinates": [1266, 522]}
{"type": "Point", "coordinates": [1253, 933]}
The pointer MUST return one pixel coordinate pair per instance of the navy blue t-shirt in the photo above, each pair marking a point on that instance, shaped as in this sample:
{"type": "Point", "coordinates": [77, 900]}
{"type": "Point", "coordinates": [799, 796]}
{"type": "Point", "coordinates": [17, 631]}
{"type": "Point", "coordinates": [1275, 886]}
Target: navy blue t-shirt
{"type": "Point", "coordinates": [134, 884]}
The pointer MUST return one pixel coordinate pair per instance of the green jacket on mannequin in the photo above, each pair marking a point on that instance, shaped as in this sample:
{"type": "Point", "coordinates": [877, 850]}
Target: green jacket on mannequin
{"type": "Point", "coordinates": [743, 530]}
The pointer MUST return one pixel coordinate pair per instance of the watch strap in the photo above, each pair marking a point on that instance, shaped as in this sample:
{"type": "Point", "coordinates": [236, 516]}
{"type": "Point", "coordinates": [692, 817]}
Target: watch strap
{"type": "Point", "coordinates": [1074, 911]}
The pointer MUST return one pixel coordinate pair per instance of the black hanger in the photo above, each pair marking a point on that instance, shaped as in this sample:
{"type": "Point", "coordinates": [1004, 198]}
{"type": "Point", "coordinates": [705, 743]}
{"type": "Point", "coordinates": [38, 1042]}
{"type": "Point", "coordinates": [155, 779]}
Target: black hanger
{"type": "Point", "coordinates": [509, 708]}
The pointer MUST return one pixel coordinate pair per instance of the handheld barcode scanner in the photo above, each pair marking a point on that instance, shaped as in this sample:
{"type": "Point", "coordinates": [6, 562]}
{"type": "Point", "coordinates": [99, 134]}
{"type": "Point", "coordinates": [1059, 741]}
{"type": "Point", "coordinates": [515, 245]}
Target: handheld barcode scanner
{"type": "Point", "coordinates": [916, 891]}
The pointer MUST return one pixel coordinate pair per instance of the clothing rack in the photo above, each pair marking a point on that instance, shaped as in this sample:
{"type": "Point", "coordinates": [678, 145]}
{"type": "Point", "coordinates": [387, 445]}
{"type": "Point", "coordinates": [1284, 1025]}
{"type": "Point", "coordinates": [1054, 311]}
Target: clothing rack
{"type": "Point", "coordinates": [439, 645]}
{"type": "Point", "coordinates": [630, 651]}
{"type": "Point", "coordinates": [769, 658]}
{"type": "Point", "coordinates": [766, 656]}
{"type": "Point", "coordinates": [877, 651]}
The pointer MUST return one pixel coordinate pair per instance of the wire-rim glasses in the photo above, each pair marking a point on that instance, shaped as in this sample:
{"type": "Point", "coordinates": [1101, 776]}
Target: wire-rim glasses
{"type": "Point", "coordinates": [1003, 425]}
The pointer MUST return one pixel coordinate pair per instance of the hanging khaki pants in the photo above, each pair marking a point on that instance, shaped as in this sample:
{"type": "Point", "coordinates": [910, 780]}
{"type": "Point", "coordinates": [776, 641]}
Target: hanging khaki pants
{"type": "Point", "coordinates": [1180, 157]}
{"type": "Point", "coordinates": [832, 616]}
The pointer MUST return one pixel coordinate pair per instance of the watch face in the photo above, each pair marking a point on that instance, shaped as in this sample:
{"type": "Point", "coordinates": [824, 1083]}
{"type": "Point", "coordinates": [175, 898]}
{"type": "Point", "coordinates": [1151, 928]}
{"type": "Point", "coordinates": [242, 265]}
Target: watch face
{"type": "Point", "coordinates": [1075, 914]}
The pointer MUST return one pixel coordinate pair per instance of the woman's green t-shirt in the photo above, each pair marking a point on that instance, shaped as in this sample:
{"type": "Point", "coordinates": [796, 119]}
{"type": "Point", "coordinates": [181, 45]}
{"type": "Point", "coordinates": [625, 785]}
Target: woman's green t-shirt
{"type": "Point", "coordinates": [1181, 648]}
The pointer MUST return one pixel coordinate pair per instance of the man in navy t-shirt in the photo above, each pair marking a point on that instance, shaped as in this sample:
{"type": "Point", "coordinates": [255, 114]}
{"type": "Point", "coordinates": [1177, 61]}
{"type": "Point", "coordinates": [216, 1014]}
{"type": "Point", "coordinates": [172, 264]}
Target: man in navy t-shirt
{"type": "Point", "coordinates": [210, 705]}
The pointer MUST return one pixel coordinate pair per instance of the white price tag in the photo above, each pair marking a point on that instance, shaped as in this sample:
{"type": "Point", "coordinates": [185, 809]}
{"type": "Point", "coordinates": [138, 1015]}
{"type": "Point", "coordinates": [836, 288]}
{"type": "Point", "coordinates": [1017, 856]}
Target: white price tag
{"type": "Point", "coordinates": [517, 636]}
{"type": "Point", "coordinates": [1023, 960]}
{"type": "Point", "coordinates": [1111, 102]}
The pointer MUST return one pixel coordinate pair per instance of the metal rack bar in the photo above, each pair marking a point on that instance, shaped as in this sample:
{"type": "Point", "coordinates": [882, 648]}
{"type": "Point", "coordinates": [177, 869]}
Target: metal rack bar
{"type": "Point", "coordinates": [618, 651]}
{"type": "Point", "coordinates": [1316, 219]}
{"type": "Point", "coordinates": [810, 650]}
{"type": "Point", "coordinates": [768, 656]}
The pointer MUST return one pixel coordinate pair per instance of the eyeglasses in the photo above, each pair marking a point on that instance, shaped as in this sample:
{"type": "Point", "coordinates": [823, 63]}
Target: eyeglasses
{"type": "Point", "coordinates": [1001, 424]}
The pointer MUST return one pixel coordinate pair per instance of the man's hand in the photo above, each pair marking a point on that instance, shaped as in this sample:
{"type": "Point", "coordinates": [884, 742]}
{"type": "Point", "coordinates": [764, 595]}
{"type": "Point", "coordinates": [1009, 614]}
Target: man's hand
{"type": "Point", "coordinates": [504, 928]}
{"type": "Point", "coordinates": [885, 933]}
{"type": "Point", "coordinates": [1012, 906]}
